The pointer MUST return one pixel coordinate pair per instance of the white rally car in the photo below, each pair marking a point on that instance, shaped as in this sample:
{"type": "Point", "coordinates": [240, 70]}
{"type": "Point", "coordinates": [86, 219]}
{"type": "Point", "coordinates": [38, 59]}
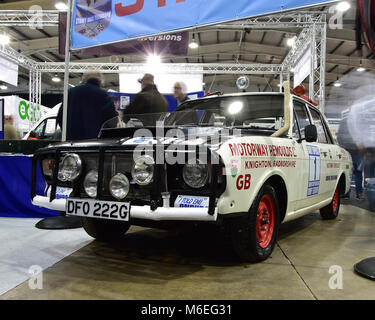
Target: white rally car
{"type": "Point", "coordinates": [247, 161]}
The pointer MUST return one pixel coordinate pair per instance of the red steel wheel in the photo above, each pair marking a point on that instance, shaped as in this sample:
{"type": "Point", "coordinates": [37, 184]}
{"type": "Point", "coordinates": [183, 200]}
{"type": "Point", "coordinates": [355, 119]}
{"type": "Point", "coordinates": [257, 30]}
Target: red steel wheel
{"type": "Point", "coordinates": [265, 224]}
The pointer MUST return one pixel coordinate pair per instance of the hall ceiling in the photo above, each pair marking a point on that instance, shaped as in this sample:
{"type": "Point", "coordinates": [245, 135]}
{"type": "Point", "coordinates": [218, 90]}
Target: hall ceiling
{"type": "Point", "coordinates": [216, 46]}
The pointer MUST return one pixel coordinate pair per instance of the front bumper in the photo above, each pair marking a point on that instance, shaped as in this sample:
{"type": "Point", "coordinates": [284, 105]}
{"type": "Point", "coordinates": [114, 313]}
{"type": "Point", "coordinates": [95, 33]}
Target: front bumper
{"type": "Point", "coordinates": [142, 212]}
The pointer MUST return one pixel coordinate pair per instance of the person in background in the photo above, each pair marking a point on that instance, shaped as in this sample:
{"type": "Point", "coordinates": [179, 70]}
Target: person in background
{"type": "Point", "coordinates": [10, 132]}
{"type": "Point", "coordinates": [148, 100]}
{"type": "Point", "coordinates": [179, 92]}
{"type": "Point", "coordinates": [32, 136]}
{"type": "Point", "coordinates": [345, 140]}
{"type": "Point", "coordinates": [89, 106]}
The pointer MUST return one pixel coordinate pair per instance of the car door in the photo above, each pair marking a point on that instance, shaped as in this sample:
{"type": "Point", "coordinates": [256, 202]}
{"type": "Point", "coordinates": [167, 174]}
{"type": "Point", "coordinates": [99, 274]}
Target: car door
{"type": "Point", "coordinates": [330, 162]}
{"type": "Point", "coordinates": [304, 189]}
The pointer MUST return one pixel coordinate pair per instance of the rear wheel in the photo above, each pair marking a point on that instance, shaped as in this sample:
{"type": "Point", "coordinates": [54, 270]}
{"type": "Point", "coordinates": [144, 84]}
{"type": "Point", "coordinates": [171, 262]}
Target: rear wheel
{"type": "Point", "coordinates": [105, 230]}
{"type": "Point", "coordinates": [331, 211]}
{"type": "Point", "coordinates": [254, 236]}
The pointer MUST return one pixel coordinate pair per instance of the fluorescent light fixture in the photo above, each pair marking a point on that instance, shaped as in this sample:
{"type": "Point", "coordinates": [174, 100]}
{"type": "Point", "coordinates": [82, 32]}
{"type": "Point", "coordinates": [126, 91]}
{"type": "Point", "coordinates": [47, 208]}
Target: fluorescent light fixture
{"type": "Point", "coordinates": [61, 6]}
{"type": "Point", "coordinates": [235, 107]}
{"type": "Point", "coordinates": [4, 39]}
{"type": "Point", "coordinates": [337, 84]}
{"type": "Point", "coordinates": [343, 6]}
{"type": "Point", "coordinates": [361, 69]}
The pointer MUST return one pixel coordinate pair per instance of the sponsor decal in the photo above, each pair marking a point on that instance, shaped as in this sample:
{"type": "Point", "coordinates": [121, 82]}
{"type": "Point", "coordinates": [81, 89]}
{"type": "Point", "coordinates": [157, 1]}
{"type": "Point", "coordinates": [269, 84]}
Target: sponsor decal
{"type": "Point", "coordinates": [234, 167]}
{"type": "Point", "coordinates": [270, 164]}
{"type": "Point", "coordinates": [243, 182]}
{"type": "Point", "coordinates": [333, 165]}
{"type": "Point", "coordinates": [314, 170]}
{"type": "Point", "coordinates": [331, 178]}
{"type": "Point", "coordinates": [191, 202]}
{"type": "Point", "coordinates": [261, 150]}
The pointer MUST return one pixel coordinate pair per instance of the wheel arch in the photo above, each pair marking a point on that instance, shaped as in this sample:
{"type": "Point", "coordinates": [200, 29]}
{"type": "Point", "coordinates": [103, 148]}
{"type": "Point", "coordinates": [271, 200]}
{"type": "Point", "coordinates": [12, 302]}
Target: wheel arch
{"type": "Point", "coordinates": [278, 183]}
{"type": "Point", "coordinates": [342, 184]}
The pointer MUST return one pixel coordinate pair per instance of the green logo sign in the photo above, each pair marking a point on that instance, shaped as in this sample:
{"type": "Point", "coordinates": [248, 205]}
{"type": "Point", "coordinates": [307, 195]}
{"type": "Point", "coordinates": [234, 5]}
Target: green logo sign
{"type": "Point", "coordinates": [31, 113]}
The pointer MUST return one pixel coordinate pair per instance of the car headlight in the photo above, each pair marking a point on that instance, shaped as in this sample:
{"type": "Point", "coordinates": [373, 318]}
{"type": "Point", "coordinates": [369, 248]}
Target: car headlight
{"type": "Point", "coordinates": [90, 183]}
{"type": "Point", "coordinates": [143, 170]}
{"type": "Point", "coordinates": [70, 167]}
{"type": "Point", "coordinates": [195, 175]}
{"type": "Point", "coordinates": [119, 186]}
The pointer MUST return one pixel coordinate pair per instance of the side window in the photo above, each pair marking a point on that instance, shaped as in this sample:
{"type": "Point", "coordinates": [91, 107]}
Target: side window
{"type": "Point", "coordinates": [40, 130]}
{"type": "Point", "coordinates": [302, 117]}
{"type": "Point", "coordinates": [317, 121]}
{"type": "Point", "coordinates": [50, 128]}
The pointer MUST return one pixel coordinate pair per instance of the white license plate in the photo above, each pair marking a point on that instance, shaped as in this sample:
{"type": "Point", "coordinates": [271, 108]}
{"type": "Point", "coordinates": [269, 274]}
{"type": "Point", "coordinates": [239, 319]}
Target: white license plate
{"type": "Point", "coordinates": [91, 208]}
{"type": "Point", "coordinates": [191, 202]}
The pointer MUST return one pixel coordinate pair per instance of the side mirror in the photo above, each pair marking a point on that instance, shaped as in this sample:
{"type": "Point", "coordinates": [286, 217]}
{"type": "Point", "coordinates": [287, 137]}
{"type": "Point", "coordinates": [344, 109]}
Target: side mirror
{"type": "Point", "coordinates": [311, 133]}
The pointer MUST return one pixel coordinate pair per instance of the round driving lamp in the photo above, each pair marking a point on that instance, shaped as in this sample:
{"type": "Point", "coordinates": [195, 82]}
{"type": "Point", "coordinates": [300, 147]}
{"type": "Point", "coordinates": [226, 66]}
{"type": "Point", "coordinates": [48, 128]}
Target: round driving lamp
{"type": "Point", "coordinates": [143, 170]}
{"type": "Point", "coordinates": [195, 175]}
{"type": "Point", "coordinates": [90, 184]}
{"type": "Point", "coordinates": [119, 186]}
{"type": "Point", "coordinates": [70, 167]}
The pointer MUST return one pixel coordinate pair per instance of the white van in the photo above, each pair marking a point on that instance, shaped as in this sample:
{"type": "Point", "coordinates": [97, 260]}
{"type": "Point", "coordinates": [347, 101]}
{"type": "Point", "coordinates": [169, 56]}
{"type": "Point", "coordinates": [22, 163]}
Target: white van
{"type": "Point", "coordinates": [47, 128]}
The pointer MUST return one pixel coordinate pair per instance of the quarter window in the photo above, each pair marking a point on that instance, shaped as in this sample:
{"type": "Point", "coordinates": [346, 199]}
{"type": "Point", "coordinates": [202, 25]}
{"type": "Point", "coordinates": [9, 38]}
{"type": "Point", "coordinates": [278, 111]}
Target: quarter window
{"type": "Point", "coordinates": [317, 121]}
{"type": "Point", "coordinates": [302, 118]}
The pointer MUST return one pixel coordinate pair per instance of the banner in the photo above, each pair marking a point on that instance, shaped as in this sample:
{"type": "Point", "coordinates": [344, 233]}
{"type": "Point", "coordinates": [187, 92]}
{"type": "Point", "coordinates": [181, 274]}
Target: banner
{"type": "Point", "coordinates": [8, 72]}
{"type": "Point", "coordinates": [169, 44]}
{"type": "Point", "coordinates": [98, 22]}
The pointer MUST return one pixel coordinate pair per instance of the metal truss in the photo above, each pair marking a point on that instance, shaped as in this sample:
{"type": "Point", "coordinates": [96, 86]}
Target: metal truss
{"type": "Point", "coordinates": [34, 19]}
{"type": "Point", "coordinates": [188, 68]}
{"type": "Point", "coordinates": [313, 36]}
{"type": "Point", "coordinates": [35, 94]}
{"type": "Point", "coordinates": [281, 20]}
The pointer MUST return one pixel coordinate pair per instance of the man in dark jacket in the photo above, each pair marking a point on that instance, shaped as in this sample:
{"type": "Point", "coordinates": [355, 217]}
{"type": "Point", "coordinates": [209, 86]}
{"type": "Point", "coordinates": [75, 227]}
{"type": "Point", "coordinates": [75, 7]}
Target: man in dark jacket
{"type": "Point", "coordinates": [89, 106]}
{"type": "Point", "coordinates": [149, 100]}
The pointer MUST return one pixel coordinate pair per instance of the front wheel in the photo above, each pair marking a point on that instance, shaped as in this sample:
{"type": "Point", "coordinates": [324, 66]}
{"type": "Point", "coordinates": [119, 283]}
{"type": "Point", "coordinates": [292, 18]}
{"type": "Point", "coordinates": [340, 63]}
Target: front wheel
{"type": "Point", "coordinates": [331, 211]}
{"type": "Point", "coordinates": [105, 230]}
{"type": "Point", "coordinates": [254, 236]}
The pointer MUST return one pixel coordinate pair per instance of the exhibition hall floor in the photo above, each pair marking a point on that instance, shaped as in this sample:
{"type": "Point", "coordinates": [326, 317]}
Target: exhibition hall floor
{"type": "Point", "coordinates": [156, 264]}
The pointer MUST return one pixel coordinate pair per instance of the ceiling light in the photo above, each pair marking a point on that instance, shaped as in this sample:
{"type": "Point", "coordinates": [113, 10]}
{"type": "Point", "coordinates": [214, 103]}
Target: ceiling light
{"type": "Point", "coordinates": [291, 41]}
{"type": "Point", "coordinates": [56, 79]}
{"type": "Point", "coordinates": [3, 87]}
{"type": "Point", "coordinates": [61, 6]}
{"type": "Point", "coordinates": [193, 44]}
{"type": "Point", "coordinates": [337, 84]}
{"type": "Point", "coordinates": [361, 69]}
{"type": "Point", "coordinates": [4, 39]}
{"type": "Point", "coordinates": [343, 6]}
{"type": "Point", "coordinates": [153, 59]}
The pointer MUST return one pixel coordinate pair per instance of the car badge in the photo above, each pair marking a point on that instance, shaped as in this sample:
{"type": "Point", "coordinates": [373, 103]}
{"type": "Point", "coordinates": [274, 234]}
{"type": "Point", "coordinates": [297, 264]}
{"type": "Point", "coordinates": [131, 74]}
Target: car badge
{"type": "Point", "coordinates": [234, 167]}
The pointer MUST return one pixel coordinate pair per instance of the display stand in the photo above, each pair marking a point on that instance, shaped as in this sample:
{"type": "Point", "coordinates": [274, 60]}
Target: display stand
{"type": "Point", "coordinates": [366, 268]}
{"type": "Point", "coordinates": [62, 221]}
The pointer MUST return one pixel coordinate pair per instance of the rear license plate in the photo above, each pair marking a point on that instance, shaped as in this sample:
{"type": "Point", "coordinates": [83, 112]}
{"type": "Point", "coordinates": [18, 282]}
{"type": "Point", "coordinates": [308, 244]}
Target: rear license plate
{"type": "Point", "coordinates": [91, 208]}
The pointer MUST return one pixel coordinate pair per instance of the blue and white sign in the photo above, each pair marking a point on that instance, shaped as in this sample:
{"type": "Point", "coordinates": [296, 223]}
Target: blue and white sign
{"type": "Point", "coordinates": [314, 170]}
{"type": "Point", "coordinates": [191, 202]}
{"type": "Point", "coordinates": [98, 22]}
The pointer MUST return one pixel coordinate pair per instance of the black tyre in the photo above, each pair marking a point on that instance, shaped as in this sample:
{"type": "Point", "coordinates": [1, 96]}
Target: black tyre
{"type": "Point", "coordinates": [331, 211]}
{"type": "Point", "coordinates": [254, 235]}
{"type": "Point", "coordinates": [105, 230]}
